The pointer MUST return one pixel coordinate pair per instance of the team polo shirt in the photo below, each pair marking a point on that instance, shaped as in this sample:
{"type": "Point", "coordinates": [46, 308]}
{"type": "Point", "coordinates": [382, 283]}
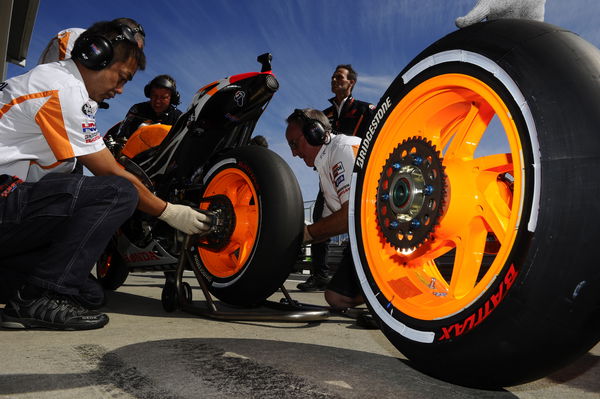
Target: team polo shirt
{"type": "Point", "coordinates": [334, 163]}
{"type": "Point", "coordinates": [59, 48]}
{"type": "Point", "coordinates": [46, 120]}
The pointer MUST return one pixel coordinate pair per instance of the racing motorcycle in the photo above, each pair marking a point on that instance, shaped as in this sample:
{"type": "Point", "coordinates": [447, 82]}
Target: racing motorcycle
{"type": "Point", "coordinates": [207, 160]}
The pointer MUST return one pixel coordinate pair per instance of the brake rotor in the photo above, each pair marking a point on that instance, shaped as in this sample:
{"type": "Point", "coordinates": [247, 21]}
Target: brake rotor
{"type": "Point", "coordinates": [410, 194]}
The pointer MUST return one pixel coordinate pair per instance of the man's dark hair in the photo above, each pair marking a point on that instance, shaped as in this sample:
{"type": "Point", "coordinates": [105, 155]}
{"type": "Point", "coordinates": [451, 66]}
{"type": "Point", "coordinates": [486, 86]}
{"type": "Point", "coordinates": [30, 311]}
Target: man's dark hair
{"type": "Point", "coordinates": [123, 49]}
{"type": "Point", "coordinates": [352, 74]}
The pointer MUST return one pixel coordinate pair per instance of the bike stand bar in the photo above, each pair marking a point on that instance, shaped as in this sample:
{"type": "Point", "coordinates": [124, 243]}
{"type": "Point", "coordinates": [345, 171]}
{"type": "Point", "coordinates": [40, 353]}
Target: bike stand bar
{"type": "Point", "coordinates": [296, 314]}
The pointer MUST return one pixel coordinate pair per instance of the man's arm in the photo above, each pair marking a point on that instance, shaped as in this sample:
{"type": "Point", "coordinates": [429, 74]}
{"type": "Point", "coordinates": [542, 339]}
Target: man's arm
{"type": "Point", "coordinates": [102, 163]}
{"type": "Point", "coordinates": [330, 226]}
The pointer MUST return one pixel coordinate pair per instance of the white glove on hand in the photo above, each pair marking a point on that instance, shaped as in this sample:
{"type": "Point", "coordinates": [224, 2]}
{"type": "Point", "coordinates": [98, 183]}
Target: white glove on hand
{"type": "Point", "coordinates": [185, 219]}
{"type": "Point", "coordinates": [498, 9]}
{"type": "Point", "coordinates": [307, 238]}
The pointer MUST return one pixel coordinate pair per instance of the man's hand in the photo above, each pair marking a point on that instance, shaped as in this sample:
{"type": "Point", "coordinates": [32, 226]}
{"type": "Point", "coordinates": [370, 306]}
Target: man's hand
{"type": "Point", "coordinates": [185, 219]}
{"type": "Point", "coordinates": [498, 9]}
{"type": "Point", "coordinates": [307, 238]}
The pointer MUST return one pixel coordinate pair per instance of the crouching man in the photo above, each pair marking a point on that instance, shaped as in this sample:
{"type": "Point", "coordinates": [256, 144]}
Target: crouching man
{"type": "Point", "coordinates": [310, 137]}
{"type": "Point", "coordinates": [53, 224]}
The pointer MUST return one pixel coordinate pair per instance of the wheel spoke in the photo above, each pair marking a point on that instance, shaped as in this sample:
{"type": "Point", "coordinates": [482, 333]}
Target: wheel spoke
{"type": "Point", "coordinates": [495, 207]}
{"type": "Point", "coordinates": [469, 254]}
{"type": "Point", "coordinates": [469, 132]}
{"type": "Point", "coordinates": [499, 163]}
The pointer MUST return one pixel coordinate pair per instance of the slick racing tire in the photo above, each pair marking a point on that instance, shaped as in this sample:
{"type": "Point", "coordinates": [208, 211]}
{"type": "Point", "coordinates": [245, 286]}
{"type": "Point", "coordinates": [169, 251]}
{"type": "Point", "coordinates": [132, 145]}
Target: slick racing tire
{"type": "Point", "coordinates": [111, 271]}
{"type": "Point", "coordinates": [260, 201]}
{"type": "Point", "coordinates": [474, 210]}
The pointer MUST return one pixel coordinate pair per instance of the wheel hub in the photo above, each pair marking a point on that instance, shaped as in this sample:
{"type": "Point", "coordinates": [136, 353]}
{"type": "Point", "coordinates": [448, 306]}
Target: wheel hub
{"type": "Point", "coordinates": [411, 189]}
{"type": "Point", "coordinates": [224, 224]}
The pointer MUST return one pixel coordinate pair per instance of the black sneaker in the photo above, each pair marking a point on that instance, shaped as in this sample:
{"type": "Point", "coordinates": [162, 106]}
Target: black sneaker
{"type": "Point", "coordinates": [314, 283]}
{"type": "Point", "coordinates": [367, 321]}
{"type": "Point", "coordinates": [52, 311]}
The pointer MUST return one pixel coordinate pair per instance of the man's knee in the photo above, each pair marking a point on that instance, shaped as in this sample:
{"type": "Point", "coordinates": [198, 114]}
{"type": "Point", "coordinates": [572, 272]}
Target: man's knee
{"type": "Point", "coordinates": [339, 301]}
{"type": "Point", "coordinates": [118, 190]}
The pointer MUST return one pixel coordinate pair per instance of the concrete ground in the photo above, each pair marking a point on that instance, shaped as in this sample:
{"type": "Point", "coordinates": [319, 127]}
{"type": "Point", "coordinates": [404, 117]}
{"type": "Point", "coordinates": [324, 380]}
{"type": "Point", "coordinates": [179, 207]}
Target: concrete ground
{"type": "Point", "coordinates": [145, 352]}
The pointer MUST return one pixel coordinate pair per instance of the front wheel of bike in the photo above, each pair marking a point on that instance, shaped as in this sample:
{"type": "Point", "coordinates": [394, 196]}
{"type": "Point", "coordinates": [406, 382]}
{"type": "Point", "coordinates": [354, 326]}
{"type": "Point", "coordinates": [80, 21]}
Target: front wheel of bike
{"type": "Point", "coordinates": [259, 198]}
{"type": "Point", "coordinates": [475, 210]}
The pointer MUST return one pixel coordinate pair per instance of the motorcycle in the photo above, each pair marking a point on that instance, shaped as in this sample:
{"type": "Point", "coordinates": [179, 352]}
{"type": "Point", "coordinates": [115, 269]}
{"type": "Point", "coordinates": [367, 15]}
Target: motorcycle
{"type": "Point", "coordinates": [207, 160]}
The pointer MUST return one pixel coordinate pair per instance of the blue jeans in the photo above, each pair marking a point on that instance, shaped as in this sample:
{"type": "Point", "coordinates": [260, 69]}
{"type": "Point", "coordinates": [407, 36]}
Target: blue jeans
{"type": "Point", "coordinates": [53, 231]}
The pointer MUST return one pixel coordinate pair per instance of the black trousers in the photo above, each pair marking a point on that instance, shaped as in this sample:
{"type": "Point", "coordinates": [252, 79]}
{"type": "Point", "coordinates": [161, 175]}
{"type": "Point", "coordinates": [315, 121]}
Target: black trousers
{"type": "Point", "coordinates": [53, 231]}
{"type": "Point", "coordinates": [318, 251]}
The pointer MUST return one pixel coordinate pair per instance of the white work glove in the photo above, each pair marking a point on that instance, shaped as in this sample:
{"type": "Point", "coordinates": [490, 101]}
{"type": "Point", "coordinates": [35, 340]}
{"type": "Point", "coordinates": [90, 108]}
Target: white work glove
{"type": "Point", "coordinates": [307, 238]}
{"type": "Point", "coordinates": [498, 9]}
{"type": "Point", "coordinates": [185, 219]}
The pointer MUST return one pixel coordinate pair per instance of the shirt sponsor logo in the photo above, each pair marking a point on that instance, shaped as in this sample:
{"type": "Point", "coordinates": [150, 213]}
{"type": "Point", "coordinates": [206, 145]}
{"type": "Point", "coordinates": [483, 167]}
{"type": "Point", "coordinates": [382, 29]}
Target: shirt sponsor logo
{"type": "Point", "coordinates": [89, 127]}
{"type": "Point", "coordinates": [89, 110]}
{"type": "Point", "coordinates": [337, 169]}
{"type": "Point", "coordinates": [339, 180]}
{"type": "Point", "coordinates": [3, 85]}
{"type": "Point", "coordinates": [90, 138]}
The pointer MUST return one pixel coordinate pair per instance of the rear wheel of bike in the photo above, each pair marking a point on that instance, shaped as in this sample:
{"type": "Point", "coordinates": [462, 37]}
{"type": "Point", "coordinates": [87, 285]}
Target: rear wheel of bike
{"type": "Point", "coordinates": [474, 202]}
{"type": "Point", "coordinates": [260, 199]}
{"type": "Point", "coordinates": [110, 268]}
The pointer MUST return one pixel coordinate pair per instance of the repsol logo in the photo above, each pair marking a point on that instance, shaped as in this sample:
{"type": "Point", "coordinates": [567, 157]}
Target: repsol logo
{"type": "Point", "coordinates": [366, 143]}
{"type": "Point", "coordinates": [458, 329]}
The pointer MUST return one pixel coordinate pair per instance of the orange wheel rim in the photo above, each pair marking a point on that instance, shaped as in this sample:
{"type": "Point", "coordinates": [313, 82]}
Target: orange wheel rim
{"type": "Point", "coordinates": [104, 265]}
{"type": "Point", "coordinates": [238, 188]}
{"type": "Point", "coordinates": [482, 158]}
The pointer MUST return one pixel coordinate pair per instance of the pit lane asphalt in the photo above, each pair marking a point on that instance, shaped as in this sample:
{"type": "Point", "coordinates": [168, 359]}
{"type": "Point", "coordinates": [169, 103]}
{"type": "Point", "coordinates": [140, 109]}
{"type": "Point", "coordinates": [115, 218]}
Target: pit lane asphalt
{"type": "Point", "coordinates": [145, 352]}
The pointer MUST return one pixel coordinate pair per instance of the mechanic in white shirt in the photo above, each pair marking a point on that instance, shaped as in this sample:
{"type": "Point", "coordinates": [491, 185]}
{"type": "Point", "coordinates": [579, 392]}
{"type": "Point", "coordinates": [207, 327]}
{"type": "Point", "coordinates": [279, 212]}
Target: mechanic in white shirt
{"type": "Point", "coordinates": [53, 224]}
{"type": "Point", "coordinates": [310, 137]}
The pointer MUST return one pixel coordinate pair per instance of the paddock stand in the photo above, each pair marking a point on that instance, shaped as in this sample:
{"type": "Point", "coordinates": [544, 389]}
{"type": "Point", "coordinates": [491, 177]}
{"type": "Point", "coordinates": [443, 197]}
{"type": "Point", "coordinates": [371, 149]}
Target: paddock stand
{"type": "Point", "coordinates": [177, 294]}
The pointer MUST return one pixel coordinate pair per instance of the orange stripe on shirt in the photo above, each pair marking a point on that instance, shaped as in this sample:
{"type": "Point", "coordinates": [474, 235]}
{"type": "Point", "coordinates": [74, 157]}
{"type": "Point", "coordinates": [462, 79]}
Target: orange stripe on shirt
{"type": "Point", "coordinates": [357, 125]}
{"type": "Point", "coordinates": [63, 43]}
{"type": "Point", "coordinates": [49, 119]}
{"type": "Point", "coordinates": [54, 165]}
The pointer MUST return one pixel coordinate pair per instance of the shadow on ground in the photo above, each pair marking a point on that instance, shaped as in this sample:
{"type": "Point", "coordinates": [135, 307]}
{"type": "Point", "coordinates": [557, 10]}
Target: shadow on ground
{"type": "Point", "coordinates": [232, 368]}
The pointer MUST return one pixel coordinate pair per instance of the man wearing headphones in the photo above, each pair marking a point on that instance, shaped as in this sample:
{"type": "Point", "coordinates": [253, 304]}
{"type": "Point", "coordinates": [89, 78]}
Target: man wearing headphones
{"type": "Point", "coordinates": [310, 137]}
{"type": "Point", "coordinates": [161, 108]}
{"type": "Point", "coordinates": [347, 116]}
{"type": "Point", "coordinates": [60, 46]}
{"type": "Point", "coordinates": [54, 224]}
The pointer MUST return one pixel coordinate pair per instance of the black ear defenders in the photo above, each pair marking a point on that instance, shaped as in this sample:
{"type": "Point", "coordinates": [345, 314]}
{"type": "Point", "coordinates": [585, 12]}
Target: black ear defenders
{"type": "Point", "coordinates": [96, 52]}
{"type": "Point", "coordinates": [313, 130]}
{"type": "Point", "coordinates": [168, 83]}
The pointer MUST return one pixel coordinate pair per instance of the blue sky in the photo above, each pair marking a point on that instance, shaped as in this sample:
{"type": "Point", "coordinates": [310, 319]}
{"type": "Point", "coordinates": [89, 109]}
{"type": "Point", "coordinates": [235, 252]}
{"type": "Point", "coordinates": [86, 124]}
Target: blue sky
{"type": "Point", "coordinates": [200, 41]}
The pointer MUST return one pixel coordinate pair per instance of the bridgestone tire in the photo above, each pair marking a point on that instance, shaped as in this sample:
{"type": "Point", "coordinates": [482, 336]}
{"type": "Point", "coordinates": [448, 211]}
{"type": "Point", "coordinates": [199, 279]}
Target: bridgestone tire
{"type": "Point", "coordinates": [505, 286]}
{"type": "Point", "coordinates": [268, 208]}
